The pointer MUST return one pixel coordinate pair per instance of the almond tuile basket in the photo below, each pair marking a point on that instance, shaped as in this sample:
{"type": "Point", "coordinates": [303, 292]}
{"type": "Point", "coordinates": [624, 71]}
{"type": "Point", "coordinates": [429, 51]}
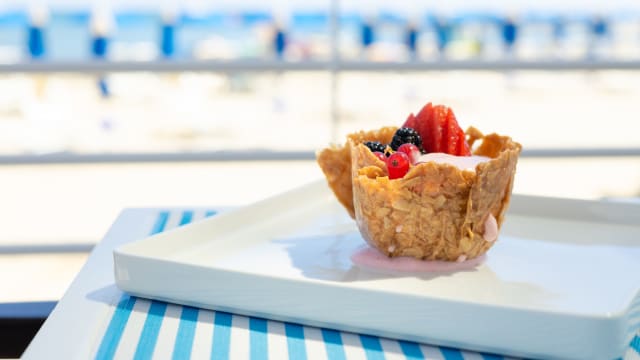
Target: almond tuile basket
{"type": "Point", "coordinates": [436, 211]}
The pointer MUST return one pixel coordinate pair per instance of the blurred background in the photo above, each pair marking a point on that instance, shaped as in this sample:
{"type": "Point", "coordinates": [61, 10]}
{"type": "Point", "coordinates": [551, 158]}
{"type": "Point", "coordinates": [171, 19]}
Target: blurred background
{"type": "Point", "coordinates": [140, 103]}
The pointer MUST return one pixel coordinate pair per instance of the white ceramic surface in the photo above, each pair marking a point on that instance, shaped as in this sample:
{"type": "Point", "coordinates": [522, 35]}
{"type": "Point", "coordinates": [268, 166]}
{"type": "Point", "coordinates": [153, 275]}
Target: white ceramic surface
{"type": "Point", "coordinates": [560, 282]}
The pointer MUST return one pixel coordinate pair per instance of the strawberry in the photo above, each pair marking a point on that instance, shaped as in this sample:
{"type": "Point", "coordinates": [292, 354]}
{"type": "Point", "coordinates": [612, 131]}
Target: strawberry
{"type": "Point", "coordinates": [457, 140]}
{"type": "Point", "coordinates": [450, 141]}
{"type": "Point", "coordinates": [438, 126]}
{"type": "Point", "coordinates": [439, 130]}
{"type": "Point", "coordinates": [426, 119]}
{"type": "Point", "coordinates": [422, 125]}
{"type": "Point", "coordinates": [463, 146]}
{"type": "Point", "coordinates": [411, 122]}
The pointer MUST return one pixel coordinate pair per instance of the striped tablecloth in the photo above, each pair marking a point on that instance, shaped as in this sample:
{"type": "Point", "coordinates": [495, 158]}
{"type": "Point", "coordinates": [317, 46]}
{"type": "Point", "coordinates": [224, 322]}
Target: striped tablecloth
{"type": "Point", "coordinates": [144, 329]}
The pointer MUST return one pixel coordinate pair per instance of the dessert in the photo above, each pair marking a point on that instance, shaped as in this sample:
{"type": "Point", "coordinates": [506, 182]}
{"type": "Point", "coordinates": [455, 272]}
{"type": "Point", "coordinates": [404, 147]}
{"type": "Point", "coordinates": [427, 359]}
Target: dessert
{"type": "Point", "coordinates": [426, 190]}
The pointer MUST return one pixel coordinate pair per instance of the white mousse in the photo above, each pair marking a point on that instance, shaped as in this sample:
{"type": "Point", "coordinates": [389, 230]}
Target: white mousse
{"type": "Point", "coordinates": [462, 162]}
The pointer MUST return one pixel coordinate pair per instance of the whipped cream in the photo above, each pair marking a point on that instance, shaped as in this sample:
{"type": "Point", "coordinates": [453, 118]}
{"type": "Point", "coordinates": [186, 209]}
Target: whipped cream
{"type": "Point", "coordinates": [462, 162]}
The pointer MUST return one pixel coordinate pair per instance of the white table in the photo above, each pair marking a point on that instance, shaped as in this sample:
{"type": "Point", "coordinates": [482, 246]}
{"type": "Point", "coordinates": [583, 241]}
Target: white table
{"type": "Point", "coordinates": [95, 319]}
{"type": "Point", "coordinates": [72, 329]}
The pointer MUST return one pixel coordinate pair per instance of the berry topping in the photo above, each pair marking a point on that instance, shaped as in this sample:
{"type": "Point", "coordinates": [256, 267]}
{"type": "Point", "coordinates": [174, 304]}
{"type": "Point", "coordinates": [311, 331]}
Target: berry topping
{"type": "Point", "coordinates": [405, 135]}
{"type": "Point", "coordinates": [375, 146]}
{"type": "Point", "coordinates": [380, 156]}
{"type": "Point", "coordinates": [411, 122]}
{"type": "Point", "coordinates": [439, 130]}
{"type": "Point", "coordinates": [411, 150]}
{"type": "Point", "coordinates": [397, 165]}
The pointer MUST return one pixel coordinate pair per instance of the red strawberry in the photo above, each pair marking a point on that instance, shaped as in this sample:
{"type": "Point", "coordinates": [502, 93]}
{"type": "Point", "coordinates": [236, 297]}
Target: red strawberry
{"type": "Point", "coordinates": [423, 124]}
{"type": "Point", "coordinates": [453, 134]}
{"type": "Point", "coordinates": [439, 126]}
{"type": "Point", "coordinates": [439, 130]}
{"type": "Point", "coordinates": [463, 146]}
{"type": "Point", "coordinates": [411, 122]}
{"type": "Point", "coordinates": [458, 143]}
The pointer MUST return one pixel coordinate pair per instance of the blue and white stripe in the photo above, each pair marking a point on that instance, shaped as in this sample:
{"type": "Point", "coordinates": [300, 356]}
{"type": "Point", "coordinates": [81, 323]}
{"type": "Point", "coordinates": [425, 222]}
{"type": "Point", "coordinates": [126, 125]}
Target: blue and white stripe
{"type": "Point", "coordinates": [146, 329]}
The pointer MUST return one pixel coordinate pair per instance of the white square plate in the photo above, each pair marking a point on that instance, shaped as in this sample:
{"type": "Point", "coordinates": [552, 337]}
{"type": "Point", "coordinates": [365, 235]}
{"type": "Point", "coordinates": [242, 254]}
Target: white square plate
{"type": "Point", "coordinates": [562, 281]}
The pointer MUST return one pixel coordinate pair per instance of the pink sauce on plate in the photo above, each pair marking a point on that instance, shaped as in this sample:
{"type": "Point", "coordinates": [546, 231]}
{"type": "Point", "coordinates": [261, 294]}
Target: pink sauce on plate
{"type": "Point", "coordinates": [371, 259]}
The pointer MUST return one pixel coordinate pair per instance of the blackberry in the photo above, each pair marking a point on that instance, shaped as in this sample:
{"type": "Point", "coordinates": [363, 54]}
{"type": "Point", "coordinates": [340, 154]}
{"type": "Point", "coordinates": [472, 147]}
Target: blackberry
{"type": "Point", "coordinates": [406, 135]}
{"type": "Point", "coordinates": [375, 146]}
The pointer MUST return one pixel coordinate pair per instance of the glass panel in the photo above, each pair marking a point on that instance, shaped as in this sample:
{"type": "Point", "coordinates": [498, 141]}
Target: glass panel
{"type": "Point", "coordinates": [290, 93]}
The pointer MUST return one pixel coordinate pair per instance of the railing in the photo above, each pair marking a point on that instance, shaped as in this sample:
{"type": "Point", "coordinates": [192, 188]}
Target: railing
{"type": "Point", "coordinates": [232, 66]}
{"type": "Point", "coordinates": [235, 156]}
{"type": "Point", "coordinates": [335, 65]}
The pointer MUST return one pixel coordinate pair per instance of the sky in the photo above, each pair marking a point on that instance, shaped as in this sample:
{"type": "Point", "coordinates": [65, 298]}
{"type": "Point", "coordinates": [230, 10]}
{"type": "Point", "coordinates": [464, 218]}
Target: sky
{"type": "Point", "coordinates": [407, 6]}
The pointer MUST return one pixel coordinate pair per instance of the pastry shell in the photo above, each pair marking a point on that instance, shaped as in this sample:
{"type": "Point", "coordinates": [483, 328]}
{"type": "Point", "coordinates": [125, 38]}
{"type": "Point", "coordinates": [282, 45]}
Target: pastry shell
{"type": "Point", "coordinates": [436, 211]}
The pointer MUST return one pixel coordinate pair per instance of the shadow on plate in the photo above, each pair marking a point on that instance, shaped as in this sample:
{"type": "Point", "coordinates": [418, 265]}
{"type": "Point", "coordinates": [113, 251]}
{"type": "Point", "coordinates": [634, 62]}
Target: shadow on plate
{"type": "Point", "coordinates": [328, 257]}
